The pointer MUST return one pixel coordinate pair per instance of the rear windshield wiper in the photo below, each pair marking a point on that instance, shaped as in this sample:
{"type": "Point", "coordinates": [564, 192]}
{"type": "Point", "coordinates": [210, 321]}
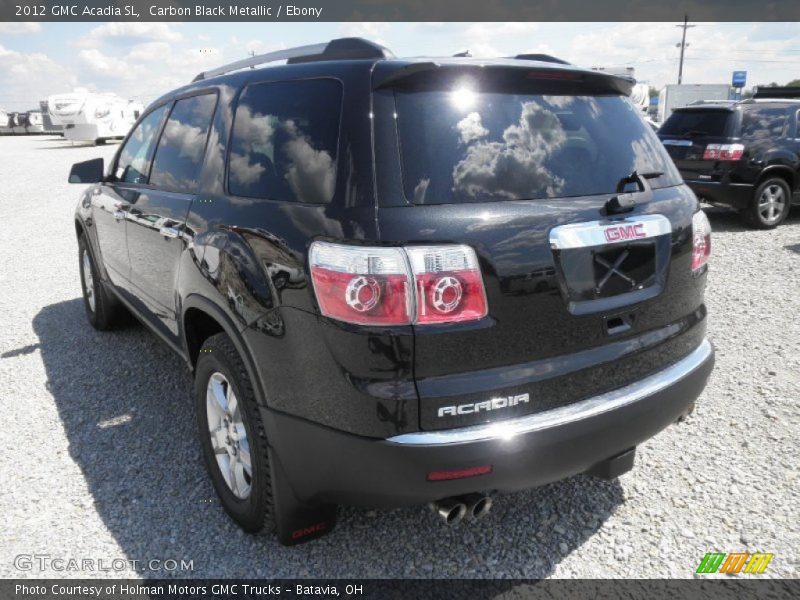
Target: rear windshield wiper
{"type": "Point", "coordinates": [625, 201]}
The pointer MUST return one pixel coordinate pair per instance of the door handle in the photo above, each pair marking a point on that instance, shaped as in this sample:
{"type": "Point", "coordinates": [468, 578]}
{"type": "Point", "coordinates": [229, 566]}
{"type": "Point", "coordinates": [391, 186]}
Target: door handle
{"type": "Point", "coordinates": [169, 232]}
{"type": "Point", "coordinates": [119, 215]}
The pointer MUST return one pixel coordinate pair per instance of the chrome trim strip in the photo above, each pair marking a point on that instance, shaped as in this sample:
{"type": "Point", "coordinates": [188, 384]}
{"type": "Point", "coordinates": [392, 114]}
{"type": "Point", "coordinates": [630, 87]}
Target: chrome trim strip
{"type": "Point", "coordinates": [593, 233]}
{"type": "Point", "coordinates": [591, 407]}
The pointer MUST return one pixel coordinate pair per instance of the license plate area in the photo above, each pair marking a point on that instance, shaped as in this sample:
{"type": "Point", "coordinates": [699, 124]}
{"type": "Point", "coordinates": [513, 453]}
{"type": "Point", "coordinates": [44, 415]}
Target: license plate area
{"type": "Point", "coordinates": [603, 265]}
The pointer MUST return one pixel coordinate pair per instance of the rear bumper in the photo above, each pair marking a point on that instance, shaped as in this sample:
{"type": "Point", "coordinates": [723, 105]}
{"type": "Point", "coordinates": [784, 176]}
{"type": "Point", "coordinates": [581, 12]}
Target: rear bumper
{"type": "Point", "coordinates": [325, 465]}
{"type": "Point", "coordinates": [736, 195]}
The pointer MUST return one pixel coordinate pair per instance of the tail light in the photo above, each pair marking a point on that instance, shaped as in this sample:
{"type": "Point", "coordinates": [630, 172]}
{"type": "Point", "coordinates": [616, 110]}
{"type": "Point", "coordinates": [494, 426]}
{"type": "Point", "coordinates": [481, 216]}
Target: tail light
{"type": "Point", "coordinates": [448, 284]}
{"type": "Point", "coordinates": [701, 240]}
{"type": "Point", "coordinates": [367, 286]}
{"type": "Point", "coordinates": [397, 286]}
{"type": "Point", "coordinates": [723, 152]}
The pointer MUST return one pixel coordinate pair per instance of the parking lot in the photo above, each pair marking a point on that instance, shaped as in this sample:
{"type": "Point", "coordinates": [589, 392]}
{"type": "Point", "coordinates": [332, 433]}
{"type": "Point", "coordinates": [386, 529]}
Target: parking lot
{"type": "Point", "coordinates": [101, 461]}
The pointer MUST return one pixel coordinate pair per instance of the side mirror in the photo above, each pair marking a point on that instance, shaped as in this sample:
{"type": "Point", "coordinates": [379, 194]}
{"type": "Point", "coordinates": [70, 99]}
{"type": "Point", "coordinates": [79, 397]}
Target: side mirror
{"type": "Point", "coordinates": [90, 171]}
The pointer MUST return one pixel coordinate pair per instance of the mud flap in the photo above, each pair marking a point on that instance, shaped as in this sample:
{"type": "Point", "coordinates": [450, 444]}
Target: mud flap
{"type": "Point", "coordinates": [296, 522]}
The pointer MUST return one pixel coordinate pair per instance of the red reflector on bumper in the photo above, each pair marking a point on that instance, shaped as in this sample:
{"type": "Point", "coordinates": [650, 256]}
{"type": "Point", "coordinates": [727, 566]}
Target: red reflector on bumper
{"type": "Point", "coordinates": [459, 473]}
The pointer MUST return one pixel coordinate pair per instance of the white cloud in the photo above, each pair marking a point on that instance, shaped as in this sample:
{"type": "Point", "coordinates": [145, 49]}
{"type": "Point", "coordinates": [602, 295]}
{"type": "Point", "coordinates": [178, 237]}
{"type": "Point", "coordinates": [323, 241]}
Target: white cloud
{"type": "Point", "coordinates": [128, 33]}
{"type": "Point", "coordinates": [20, 28]}
{"type": "Point", "coordinates": [363, 29]}
{"type": "Point", "coordinates": [714, 52]}
{"type": "Point", "coordinates": [149, 52]}
{"type": "Point", "coordinates": [25, 79]}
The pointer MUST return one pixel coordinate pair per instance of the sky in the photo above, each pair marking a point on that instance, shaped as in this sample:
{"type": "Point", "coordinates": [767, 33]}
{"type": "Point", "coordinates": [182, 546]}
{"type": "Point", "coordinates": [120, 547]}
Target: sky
{"type": "Point", "coordinates": [143, 60]}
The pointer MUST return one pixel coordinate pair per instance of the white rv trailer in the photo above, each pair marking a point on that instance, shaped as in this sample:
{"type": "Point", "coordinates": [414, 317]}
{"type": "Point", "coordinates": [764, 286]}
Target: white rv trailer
{"type": "Point", "coordinates": [47, 122]}
{"type": "Point", "coordinates": [640, 94]}
{"type": "Point", "coordinates": [4, 127]}
{"type": "Point", "coordinates": [677, 96]}
{"type": "Point", "coordinates": [34, 124]}
{"type": "Point", "coordinates": [17, 122]}
{"type": "Point", "coordinates": [89, 117]}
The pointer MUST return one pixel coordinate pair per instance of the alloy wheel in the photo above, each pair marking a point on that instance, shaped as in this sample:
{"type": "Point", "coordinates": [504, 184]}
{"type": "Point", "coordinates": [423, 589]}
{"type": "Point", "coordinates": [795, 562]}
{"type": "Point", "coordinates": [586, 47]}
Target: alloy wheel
{"type": "Point", "coordinates": [771, 204]}
{"type": "Point", "coordinates": [88, 280]}
{"type": "Point", "coordinates": [228, 436]}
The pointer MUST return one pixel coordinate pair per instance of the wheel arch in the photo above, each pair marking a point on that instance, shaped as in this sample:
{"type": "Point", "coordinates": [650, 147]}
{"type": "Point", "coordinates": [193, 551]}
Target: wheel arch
{"type": "Point", "coordinates": [79, 228]}
{"type": "Point", "coordinates": [783, 171]}
{"type": "Point", "coordinates": [200, 319]}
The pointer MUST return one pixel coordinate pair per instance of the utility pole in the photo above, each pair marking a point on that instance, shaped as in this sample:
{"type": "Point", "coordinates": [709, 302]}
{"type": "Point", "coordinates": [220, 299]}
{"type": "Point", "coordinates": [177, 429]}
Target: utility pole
{"type": "Point", "coordinates": [683, 45]}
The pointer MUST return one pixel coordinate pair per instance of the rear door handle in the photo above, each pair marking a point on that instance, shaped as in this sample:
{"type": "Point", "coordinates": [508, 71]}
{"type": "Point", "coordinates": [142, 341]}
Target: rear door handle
{"type": "Point", "coordinates": [169, 232]}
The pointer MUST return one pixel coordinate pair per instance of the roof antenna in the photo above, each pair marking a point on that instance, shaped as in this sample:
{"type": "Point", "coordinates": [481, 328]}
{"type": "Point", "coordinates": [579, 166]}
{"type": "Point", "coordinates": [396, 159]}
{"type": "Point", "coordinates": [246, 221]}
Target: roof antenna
{"type": "Point", "coordinates": [464, 54]}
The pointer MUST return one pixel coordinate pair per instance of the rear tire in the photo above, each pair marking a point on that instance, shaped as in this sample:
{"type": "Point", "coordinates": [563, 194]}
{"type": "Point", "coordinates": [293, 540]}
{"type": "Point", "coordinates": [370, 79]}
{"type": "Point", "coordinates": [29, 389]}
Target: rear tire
{"type": "Point", "coordinates": [102, 309]}
{"type": "Point", "coordinates": [233, 436]}
{"type": "Point", "coordinates": [770, 204]}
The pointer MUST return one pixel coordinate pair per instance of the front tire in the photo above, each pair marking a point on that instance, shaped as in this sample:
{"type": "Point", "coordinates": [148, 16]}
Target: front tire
{"type": "Point", "coordinates": [232, 435]}
{"type": "Point", "coordinates": [770, 204]}
{"type": "Point", "coordinates": [103, 310]}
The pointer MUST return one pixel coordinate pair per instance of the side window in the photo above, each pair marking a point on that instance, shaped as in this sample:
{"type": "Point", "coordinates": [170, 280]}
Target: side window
{"type": "Point", "coordinates": [182, 145]}
{"type": "Point", "coordinates": [136, 155]}
{"type": "Point", "coordinates": [284, 143]}
{"type": "Point", "coordinates": [762, 123]}
{"type": "Point", "coordinates": [797, 125]}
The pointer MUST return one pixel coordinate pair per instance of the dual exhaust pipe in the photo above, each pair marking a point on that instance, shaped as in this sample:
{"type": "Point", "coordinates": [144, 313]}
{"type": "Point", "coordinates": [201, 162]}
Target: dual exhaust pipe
{"type": "Point", "coordinates": [471, 506]}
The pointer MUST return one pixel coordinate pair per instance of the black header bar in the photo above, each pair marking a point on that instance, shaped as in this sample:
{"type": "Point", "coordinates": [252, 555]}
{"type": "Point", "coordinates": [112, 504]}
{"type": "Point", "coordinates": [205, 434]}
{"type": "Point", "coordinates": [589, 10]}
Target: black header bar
{"type": "Point", "coordinates": [397, 10]}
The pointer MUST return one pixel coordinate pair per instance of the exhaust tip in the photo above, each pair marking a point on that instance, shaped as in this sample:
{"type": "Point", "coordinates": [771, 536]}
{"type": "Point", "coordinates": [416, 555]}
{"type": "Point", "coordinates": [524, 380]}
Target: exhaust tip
{"type": "Point", "coordinates": [450, 511]}
{"type": "Point", "coordinates": [481, 508]}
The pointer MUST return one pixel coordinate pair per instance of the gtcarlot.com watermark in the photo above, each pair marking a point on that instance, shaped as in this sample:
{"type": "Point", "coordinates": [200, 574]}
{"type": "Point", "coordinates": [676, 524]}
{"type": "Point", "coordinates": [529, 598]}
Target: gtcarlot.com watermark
{"type": "Point", "coordinates": [47, 562]}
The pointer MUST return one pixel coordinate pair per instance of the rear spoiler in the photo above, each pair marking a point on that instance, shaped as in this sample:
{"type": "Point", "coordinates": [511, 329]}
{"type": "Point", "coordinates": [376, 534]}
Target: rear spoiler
{"type": "Point", "coordinates": [425, 72]}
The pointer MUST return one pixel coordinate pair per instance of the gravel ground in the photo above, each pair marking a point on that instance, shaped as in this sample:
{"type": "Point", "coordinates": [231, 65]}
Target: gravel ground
{"type": "Point", "coordinates": [100, 460]}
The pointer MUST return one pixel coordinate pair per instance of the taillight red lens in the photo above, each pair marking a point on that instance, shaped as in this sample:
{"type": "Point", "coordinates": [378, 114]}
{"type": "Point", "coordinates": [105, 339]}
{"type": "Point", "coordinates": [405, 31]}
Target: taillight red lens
{"type": "Point", "coordinates": [366, 286]}
{"type": "Point", "coordinates": [447, 283]}
{"type": "Point", "coordinates": [701, 240]}
{"type": "Point", "coordinates": [362, 299]}
{"type": "Point", "coordinates": [723, 152]}
{"type": "Point", "coordinates": [397, 286]}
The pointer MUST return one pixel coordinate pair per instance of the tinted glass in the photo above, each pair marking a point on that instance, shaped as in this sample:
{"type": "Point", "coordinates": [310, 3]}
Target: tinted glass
{"type": "Point", "coordinates": [459, 146]}
{"type": "Point", "coordinates": [284, 141]}
{"type": "Point", "coordinates": [697, 123]}
{"type": "Point", "coordinates": [137, 153]}
{"type": "Point", "coordinates": [183, 144]}
{"type": "Point", "coordinates": [763, 123]}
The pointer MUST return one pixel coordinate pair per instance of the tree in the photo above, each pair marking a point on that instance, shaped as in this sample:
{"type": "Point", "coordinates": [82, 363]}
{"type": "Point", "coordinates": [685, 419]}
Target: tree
{"type": "Point", "coordinates": [793, 83]}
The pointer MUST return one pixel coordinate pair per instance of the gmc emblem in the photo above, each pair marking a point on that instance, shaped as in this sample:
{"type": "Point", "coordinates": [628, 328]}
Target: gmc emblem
{"type": "Point", "coordinates": [624, 232]}
{"type": "Point", "coordinates": [309, 530]}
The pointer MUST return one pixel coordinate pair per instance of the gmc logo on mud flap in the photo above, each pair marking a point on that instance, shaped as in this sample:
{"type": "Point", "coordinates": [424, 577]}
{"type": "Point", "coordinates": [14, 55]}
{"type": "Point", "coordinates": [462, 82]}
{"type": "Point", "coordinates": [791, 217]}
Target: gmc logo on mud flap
{"type": "Point", "coordinates": [318, 528]}
{"type": "Point", "coordinates": [476, 407]}
{"type": "Point", "coordinates": [624, 232]}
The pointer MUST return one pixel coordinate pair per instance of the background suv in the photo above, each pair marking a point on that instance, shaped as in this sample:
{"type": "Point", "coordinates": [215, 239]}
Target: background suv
{"type": "Point", "coordinates": [744, 155]}
{"type": "Point", "coordinates": [404, 281]}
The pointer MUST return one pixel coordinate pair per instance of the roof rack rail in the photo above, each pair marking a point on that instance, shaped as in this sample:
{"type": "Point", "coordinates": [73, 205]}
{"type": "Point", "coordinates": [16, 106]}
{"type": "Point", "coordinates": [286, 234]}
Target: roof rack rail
{"type": "Point", "coordinates": [339, 49]}
{"type": "Point", "coordinates": [776, 92]}
{"type": "Point", "coordinates": [541, 58]}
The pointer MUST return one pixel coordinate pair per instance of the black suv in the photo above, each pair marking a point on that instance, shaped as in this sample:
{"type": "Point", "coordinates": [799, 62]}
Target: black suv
{"type": "Point", "coordinates": [744, 155]}
{"type": "Point", "coordinates": [404, 281]}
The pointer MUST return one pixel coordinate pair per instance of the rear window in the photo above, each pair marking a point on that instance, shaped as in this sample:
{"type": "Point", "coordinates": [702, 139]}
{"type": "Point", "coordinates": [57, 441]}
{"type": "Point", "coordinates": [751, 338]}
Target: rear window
{"type": "Point", "coordinates": [284, 142]}
{"type": "Point", "coordinates": [688, 123]}
{"type": "Point", "coordinates": [763, 123]}
{"type": "Point", "coordinates": [462, 146]}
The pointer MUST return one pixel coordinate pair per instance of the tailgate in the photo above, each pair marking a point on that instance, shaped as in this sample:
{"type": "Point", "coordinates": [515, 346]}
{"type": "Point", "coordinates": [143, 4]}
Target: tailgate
{"type": "Point", "coordinates": [688, 132]}
{"type": "Point", "coordinates": [551, 337]}
{"type": "Point", "coordinates": [502, 161]}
